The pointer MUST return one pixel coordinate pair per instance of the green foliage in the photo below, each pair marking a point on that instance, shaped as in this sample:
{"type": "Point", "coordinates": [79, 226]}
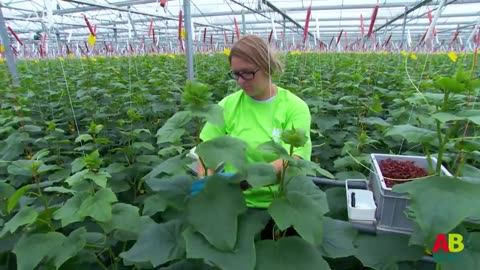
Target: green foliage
{"type": "Point", "coordinates": [110, 187]}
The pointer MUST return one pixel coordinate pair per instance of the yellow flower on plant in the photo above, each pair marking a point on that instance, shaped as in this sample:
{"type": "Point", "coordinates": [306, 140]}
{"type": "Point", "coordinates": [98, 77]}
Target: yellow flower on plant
{"type": "Point", "coordinates": [226, 51]}
{"type": "Point", "coordinates": [61, 58]}
{"type": "Point", "coordinates": [183, 34]}
{"type": "Point", "coordinates": [413, 56]}
{"type": "Point", "coordinates": [92, 39]}
{"type": "Point", "coordinates": [2, 60]}
{"type": "Point", "coordinates": [83, 57]}
{"type": "Point", "coordinates": [93, 59]}
{"type": "Point", "coordinates": [2, 49]}
{"type": "Point", "coordinates": [404, 53]}
{"type": "Point", "coordinates": [453, 56]}
{"type": "Point", "coordinates": [70, 55]}
{"type": "Point", "coordinates": [171, 55]}
{"type": "Point", "coordinates": [295, 53]}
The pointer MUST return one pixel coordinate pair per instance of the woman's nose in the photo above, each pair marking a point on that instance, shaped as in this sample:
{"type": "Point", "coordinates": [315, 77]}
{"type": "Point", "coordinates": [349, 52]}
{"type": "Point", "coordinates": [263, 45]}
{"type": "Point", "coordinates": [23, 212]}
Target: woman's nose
{"type": "Point", "coordinates": [240, 79]}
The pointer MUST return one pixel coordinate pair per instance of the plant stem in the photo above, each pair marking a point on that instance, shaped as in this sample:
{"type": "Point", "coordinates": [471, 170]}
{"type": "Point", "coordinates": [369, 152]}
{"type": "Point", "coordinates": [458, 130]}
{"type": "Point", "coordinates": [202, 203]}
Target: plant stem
{"type": "Point", "coordinates": [124, 247]}
{"type": "Point", "coordinates": [113, 258]}
{"type": "Point", "coordinates": [37, 181]}
{"type": "Point", "coordinates": [100, 263]}
{"type": "Point", "coordinates": [46, 222]}
{"type": "Point", "coordinates": [93, 246]}
{"type": "Point", "coordinates": [460, 158]}
{"type": "Point", "coordinates": [441, 147]}
{"type": "Point", "coordinates": [283, 172]}
{"type": "Point", "coordinates": [282, 176]}
{"type": "Point", "coordinates": [429, 159]}
{"type": "Point", "coordinates": [445, 101]}
{"type": "Point", "coordinates": [197, 127]}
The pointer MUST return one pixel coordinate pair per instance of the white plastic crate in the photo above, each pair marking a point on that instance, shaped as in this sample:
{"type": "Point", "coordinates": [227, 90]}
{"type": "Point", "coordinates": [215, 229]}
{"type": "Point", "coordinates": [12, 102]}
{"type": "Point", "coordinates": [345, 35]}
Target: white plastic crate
{"type": "Point", "coordinates": [391, 205]}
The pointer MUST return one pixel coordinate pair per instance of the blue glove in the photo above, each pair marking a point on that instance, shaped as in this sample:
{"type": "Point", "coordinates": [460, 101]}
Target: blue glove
{"type": "Point", "coordinates": [198, 185]}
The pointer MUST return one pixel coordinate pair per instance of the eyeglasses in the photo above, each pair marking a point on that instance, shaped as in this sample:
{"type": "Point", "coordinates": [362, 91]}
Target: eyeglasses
{"type": "Point", "coordinates": [247, 76]}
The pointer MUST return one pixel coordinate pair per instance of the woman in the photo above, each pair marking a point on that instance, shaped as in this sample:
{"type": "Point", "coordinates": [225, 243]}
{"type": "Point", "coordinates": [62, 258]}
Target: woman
{"type": "Point", "coordinates": [259, 112]}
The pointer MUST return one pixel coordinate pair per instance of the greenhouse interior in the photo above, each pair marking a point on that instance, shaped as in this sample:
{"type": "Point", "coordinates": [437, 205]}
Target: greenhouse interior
{"type": "Point", "coordinates": [239, 135]}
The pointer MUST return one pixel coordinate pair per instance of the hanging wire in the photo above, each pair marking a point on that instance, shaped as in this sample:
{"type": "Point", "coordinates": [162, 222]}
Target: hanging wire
{"type": "Point", "coordinates": [71, 105]}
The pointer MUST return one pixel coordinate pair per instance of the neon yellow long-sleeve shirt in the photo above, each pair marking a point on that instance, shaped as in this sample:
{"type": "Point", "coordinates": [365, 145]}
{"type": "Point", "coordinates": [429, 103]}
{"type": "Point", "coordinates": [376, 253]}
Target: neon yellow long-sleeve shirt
{"type": "Point", "coordinates": [257, 122]}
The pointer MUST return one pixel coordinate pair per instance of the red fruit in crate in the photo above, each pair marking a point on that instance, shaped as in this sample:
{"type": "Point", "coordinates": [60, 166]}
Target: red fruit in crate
{"type": "Point", "coordinates": [394, 169]}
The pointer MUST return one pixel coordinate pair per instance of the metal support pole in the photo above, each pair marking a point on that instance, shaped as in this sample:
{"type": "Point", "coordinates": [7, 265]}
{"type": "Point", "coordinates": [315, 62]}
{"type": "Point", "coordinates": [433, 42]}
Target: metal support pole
{"type": "Point", "coordinates": [115, 35]}
{"type": "Point", "coordinates": [189, 47]}
{"type": "Point", "coordinates": [57, 35]}
{"type": "Point", "coordinates": [404, 26]}
{"type": "Point", "coordinates": [8, 51]}
{"type": "Point", "coordinates": [132, 24]}
{"type": "Point", "coordinates": [434, 22]}
{"type": "Point", "coordinates": [244, 27]}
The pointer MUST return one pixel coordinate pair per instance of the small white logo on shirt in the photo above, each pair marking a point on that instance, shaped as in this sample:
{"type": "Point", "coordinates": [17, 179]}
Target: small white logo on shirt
{"type": "Point", "coordinates": [276, 135]}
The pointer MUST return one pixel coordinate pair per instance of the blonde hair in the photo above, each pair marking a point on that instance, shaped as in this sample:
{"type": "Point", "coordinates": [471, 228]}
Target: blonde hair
{"type": "Point", "coordinates": [254, 49]}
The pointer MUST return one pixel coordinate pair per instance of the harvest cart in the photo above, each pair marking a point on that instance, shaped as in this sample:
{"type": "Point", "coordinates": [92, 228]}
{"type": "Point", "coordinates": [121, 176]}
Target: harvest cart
{"type": "Point", "coordinates": [362, 209]}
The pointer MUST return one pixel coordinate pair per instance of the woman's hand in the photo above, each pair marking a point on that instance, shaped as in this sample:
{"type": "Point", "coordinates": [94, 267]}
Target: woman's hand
{"type": "Point", "coordinates": [278, 164]}
{"type": "Point", "coordinates": [201, 171]}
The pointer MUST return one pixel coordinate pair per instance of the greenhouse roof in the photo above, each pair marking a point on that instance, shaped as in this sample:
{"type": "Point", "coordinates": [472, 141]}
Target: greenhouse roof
{"type": "Point", "coordinates": [121, 20]}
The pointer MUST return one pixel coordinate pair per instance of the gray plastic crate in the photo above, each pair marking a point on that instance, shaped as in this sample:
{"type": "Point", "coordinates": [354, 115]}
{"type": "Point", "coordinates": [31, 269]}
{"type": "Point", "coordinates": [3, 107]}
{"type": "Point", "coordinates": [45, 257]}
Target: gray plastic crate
{"type": "Point", "coordinates": [391, 205]}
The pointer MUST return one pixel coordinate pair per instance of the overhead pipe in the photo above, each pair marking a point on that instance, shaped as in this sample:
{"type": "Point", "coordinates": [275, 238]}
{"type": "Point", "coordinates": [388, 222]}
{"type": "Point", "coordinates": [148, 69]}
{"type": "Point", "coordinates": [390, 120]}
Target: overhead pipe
{"type": "Point", "coordinates": [266, 30]}
{"type": "Point", "coordinates": [302, 20]}
{"type": "Point", "coordinates": [153, 15]}
{"type": "Point", "coordinates": [451, 15]}
{"type": "Point", "coordinates": [284, 15]}
{"type": "Point", "coordinates": [90, 8]}
{"type": "Point", "coordinates": [417, 6]}
{"type": "Point", "coordinates": [253, 12]}
{"type": "Point", "coordinates": [322, 7]}
{"type": "Point", "coordinates": [217, 25]}
{"type": "Point", "coordinates": [395, 36]}
{"type": "Point", "coordinates": [344, 26]}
